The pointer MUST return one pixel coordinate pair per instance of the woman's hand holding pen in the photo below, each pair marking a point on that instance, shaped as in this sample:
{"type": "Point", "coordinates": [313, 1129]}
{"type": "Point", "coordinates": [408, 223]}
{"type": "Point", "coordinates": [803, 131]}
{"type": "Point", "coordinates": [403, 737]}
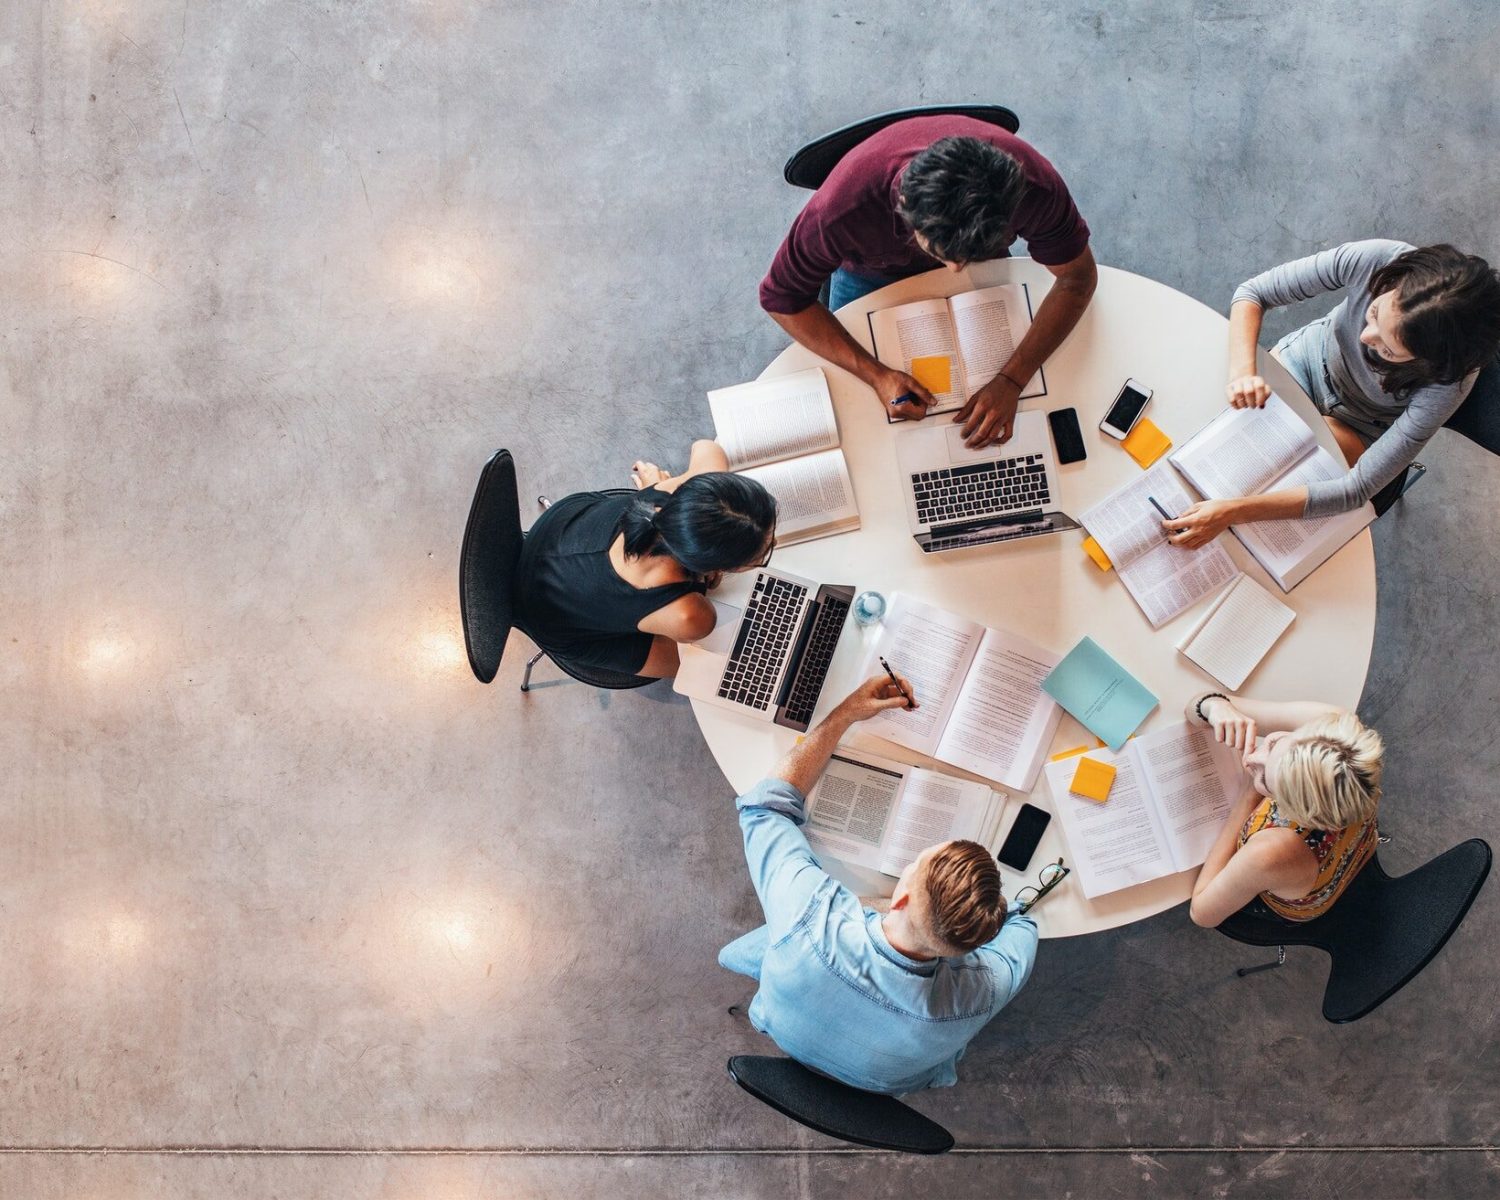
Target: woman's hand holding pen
{"type": "Point", "coordinates": [1200, 524]}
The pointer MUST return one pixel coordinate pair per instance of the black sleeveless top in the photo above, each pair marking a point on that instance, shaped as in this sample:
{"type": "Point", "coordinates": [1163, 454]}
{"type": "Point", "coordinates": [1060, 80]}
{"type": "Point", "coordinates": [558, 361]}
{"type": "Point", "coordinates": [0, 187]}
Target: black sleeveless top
{"type": "Point", "coordinates": [568, 596]}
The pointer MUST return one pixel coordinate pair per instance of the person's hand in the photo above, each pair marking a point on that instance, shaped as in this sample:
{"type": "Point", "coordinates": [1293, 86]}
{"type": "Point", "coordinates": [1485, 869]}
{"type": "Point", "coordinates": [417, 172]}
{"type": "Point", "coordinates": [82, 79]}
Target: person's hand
{"type": "Point", "coordinates": [989, 417]}
{"type": "Point", "coordinates": [647, 474]}
{"type": "Point", "coordinates": [890, 385]}
{"type": "Point", "coordinates": [1230, 726]}
{"type": "Point", "coordinates": [1200, 524]}
{"type": "Point", "coordinates": [1248, 391]}
{"type": "Point", "coordinates": [874, 696]}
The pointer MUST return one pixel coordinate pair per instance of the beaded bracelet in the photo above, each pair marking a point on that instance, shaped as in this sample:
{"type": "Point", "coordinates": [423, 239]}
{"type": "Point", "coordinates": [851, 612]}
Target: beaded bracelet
{"type": "Point", "coordinates": [1208, 696]}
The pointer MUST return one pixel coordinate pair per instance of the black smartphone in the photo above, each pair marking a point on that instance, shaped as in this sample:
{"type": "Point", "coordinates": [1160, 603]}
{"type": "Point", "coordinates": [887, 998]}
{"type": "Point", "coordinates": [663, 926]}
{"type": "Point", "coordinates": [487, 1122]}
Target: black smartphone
{"type": "Point", "coordinates": [1066, 435]}
{"type": "Point", "coordinates": [1021, 842]}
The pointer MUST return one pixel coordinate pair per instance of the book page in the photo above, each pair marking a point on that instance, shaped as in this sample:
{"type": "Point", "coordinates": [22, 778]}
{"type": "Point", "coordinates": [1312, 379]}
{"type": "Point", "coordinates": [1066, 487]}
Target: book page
{"type": "Point", "coordinates": [919, 330]}
{"type": "Point", "coordinates": [1168, 579]}
{"type": "Point", "coordinates": [1114, 844]}
{"type": "Point", "coordinates": [1003, 722]}
{"type": "Point", "coordinates": [850, 809]}
{"type": "Point", "coordinates": [934, 808]}
{"type": "Point", "coordinates": [1126, 525]}
{"type": "Point", "coordinates": [933, 649]}
{"type": "Point", "coordinates": [1243, 450]}
{"type": "Point", "coordinates": [812, 493]}
{"type": "Point", "coordinates": [1194, 780]}
{"type": "Point", "coordinates": [1291, 550]}
{"type": "Point", "coordinates": [1238, 632]}
{"type": "Point", "coordinates": [988, 325]}
{"type": "Point", "coordinates": [771, 419]}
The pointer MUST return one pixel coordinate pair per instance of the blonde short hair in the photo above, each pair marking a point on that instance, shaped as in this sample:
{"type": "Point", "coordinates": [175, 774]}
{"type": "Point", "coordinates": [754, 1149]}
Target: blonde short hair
{"type": "Point", "coordinates": [1329, 777]}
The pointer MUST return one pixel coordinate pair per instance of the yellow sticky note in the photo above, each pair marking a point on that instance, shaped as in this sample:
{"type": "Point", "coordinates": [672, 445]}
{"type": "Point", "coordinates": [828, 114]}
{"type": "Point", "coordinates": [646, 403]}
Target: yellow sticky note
{"type": "Point", "coordinates": [1146, 443]}
{"type": "Point", "coordinates": [935, 372]}
{"type": "Point", "coordinates": [1095, 551]}
{"type": "Point", "coordinates": [1062, 754]}
{"type": "Point", "coordinates": [1092, 780]}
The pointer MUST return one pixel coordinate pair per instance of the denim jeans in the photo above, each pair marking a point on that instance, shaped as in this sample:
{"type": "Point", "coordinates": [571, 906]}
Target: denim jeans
{"type": "Point", "coordinates": [845, 287]}
{"type": "Point", "coordinates": [1304, 354]}
{"type": "Point", "coordinates": [745, 954]}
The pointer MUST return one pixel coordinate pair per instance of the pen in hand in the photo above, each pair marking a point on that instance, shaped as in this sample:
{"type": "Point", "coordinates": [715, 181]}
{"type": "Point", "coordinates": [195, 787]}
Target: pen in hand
{"type": "Point", "coordinates": [897, 682]}
{"type": "Point", "coordinates": [1166, 516]}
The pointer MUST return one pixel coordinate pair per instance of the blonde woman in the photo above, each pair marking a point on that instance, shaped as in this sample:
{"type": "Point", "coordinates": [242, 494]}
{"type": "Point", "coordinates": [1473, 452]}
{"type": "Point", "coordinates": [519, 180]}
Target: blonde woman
{"type": "Point", "coordinates": [1306, 825]}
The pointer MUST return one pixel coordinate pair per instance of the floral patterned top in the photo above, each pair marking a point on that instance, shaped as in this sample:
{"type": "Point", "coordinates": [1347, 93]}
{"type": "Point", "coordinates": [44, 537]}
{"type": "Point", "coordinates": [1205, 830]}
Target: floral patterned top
{"type": "Point", "coordinates": [1341, 854]}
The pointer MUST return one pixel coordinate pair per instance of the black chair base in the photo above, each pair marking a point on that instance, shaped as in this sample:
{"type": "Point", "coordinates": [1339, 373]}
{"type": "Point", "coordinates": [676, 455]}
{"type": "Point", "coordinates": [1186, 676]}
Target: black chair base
{"type": "Point", "coordinates": [837, 1110]}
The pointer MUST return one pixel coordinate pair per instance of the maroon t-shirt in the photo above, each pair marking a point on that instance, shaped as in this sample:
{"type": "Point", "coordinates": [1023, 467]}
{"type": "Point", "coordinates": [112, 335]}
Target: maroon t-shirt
{"type": "Point", "coordinates": [852, 222]}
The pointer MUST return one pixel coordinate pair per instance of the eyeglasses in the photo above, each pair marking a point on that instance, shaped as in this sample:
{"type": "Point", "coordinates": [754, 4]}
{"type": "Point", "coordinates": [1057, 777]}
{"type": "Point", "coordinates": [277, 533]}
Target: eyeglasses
{"type": "Point", "coordinates": [1052, 875]}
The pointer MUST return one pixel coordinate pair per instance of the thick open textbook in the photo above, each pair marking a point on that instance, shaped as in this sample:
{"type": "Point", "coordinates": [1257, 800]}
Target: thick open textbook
{"type": "Point", "coordinates": [1172, 790]}
{"type": "Point", "coordinates": [1238, 631]}
{"type": "Point", "coordinates": [881, 814]}
{"type": "Point", "coordinates": [782, 433]}
{"type": "Point", "coordinates": [976, 332]}
{"type": "Point", "coordinates": [1248, 451]}
{"type": "Point", "coordinates": [982, 704]}
{"type": "Point", "coordinates": [1162, 578]}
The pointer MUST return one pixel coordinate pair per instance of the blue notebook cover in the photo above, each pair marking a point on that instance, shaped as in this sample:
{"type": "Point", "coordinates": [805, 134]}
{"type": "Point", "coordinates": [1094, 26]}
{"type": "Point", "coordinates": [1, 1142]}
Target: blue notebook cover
{"type": "Point", "coordinates": [1109, 701]}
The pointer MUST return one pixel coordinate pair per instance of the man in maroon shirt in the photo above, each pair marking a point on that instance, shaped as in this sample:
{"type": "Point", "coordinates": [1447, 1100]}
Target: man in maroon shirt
{"type": "Point", "coordinates": [926, 191]}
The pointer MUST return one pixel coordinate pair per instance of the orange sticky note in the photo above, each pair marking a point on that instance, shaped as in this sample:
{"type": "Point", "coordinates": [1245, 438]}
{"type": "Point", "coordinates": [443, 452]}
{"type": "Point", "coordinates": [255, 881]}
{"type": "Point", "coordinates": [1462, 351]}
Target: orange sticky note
{"type": "Point", "coordinates": [1095, 551]}
{"type": "Point", "coordinates": [1062, 754]}
{"type": "Point", "coordinates": [935, 372]}
{"type": "Point", "coordinates": [1146, 443]}
{"type": "Point", "coordinates": [1092, 780]}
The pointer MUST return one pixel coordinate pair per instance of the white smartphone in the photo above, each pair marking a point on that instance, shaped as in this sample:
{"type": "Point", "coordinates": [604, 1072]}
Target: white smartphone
{"type": "Point", "coordinates": [1126, 410]}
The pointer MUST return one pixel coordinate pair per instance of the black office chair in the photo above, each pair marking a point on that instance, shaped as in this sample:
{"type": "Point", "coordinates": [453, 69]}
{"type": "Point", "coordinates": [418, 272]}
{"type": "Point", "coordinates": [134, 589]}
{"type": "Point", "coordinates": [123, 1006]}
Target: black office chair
{"type": "Point", "coordinates": [837, 1110]}
{"type": "Point", "coordinates": [809, 166]}
{"type": "Point", "coordinates": [486, 583]}
{"type": "Point", "coordinates": [1477, 418]}
{"type": "Point", "coordinates": [1380, 933]}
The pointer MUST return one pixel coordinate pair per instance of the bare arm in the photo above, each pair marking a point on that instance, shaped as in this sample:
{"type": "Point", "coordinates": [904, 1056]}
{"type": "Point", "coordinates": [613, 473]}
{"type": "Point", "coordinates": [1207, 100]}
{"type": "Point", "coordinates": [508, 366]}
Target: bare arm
{"type": "Point", "coordinates": [1238, 720]}
{"type": "Point", "coordinates": [989, 416]}
{"type": "Point", "coordinates": [804, 762]}
{"type": "Point", "coordinates": [1233, 875]}
{"type": "Point", "coordinates": [821, 332]}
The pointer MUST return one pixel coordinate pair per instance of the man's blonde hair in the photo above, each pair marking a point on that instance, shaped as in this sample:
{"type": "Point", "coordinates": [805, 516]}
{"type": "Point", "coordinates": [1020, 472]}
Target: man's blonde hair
{"type": "Point", "coordinates": [963, 895]}
{"type": "Point", "coordinates": [1329, 777]}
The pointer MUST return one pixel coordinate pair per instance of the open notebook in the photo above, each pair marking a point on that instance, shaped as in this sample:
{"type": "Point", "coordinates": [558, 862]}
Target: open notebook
{"type": "Point", "coordinates": [982, 704]}
{"type": "Point", "coordinates": [1172, 790]}
{"type": "Point", "coordinates": [1249, 451]}
{"type": "Point", "coordinates": [782, 433]}
{"type": "Point", "coordinates": [1162, 578]}
{"type": "Point", "coordinates": [1238, 631]}
{"type": "Point", "coordinates": [881, 814]}
{"type": "Point", "coordinates": [976, 332]}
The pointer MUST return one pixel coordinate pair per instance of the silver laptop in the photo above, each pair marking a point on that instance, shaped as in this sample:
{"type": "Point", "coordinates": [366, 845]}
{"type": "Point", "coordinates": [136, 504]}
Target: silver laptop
{"type": "Point", "coordinates": [957, 497]}
{"type": "Point", "coordinates": [771, 664]}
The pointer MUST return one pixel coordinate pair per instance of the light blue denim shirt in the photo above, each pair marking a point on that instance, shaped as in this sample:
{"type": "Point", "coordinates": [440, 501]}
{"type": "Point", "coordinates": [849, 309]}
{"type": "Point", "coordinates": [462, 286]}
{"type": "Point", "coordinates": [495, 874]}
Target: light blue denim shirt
{"type": "Point", "coordinates": [833, 993]}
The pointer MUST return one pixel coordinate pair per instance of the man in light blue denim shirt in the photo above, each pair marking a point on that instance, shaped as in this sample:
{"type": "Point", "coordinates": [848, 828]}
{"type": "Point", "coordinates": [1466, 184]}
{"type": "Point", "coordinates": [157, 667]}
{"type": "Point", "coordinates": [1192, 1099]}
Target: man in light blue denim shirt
{"type": "Point", "coordinates": [886, 1003]}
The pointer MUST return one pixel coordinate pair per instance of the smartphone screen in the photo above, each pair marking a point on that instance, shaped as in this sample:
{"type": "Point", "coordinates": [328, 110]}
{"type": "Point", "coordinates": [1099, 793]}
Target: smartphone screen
{"type": "Point", "coordinates": [1067, 436]}
{"type": "Point", "coordinates": [1127, 407]}
{"type": "Point", "coordinates": [1022, 840]}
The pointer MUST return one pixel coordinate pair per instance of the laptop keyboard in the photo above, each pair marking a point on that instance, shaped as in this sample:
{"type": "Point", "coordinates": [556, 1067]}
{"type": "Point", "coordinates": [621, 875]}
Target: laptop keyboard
{"type": "Point", "coordinates": [813, 669]}
{"type": "Point", "coordinates": [766, 631]}
{"type": "Point", "coordinates": [981, 489]}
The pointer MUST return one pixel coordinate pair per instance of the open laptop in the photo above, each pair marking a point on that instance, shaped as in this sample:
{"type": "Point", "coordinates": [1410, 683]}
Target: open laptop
{"type": "Point", "coordinates": [774, 665]}
{"type": "Point", "coordinates": [957, 497]}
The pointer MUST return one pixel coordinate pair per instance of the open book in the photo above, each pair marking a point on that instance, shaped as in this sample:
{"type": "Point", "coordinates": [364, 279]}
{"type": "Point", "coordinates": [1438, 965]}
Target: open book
{"type": "Point", "coordinates": [782, 433]}
{"type": "Point", "coordinates": [1162, 578]}
{"type": "Point", "coordinates": [1238, 631]}
{"type": "Point", "coordinates": [982, 704]}
{"type": "Point", "coordinates": [881, 814]}
{"type": "Point", "coordinates": [976, 332]}
{"type": "Point", "coordinates": [1248, 451]}
{"type": "Point", "coordinates": [1172, 790]}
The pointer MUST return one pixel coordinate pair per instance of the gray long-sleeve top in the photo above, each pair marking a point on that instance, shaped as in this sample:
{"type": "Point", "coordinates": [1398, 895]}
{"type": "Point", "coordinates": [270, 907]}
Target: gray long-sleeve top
{"type": "Point", "coordinates": [1400, 428]}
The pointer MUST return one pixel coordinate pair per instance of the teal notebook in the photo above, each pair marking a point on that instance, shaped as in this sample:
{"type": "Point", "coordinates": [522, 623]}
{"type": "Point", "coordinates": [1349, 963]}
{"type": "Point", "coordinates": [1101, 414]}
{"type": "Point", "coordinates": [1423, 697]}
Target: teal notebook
{"type": "Point", "coordinates": [1109, 701]}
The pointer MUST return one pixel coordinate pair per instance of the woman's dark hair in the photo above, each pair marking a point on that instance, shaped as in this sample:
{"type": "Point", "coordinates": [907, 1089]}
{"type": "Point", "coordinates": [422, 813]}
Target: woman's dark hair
{"type": "Point", "coordinates": [712, 522]}
{"type": "Point", "coordinates": [1449, 319]}
{"type": "Point", "coordinates": [960, 194]}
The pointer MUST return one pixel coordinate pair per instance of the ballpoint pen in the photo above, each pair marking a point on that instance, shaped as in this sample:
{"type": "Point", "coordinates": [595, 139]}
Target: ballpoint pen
{"type": "Point", "coordinates": [897, 682]}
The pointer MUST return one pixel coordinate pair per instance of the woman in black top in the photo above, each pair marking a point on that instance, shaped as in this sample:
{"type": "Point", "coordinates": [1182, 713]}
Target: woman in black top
{"type": "Point", "coordinates": [616, 581]}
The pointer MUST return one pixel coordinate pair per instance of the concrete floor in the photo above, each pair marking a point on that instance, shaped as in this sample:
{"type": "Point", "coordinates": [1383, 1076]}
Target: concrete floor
{"type": "Point", "coordinates": [285, 888]}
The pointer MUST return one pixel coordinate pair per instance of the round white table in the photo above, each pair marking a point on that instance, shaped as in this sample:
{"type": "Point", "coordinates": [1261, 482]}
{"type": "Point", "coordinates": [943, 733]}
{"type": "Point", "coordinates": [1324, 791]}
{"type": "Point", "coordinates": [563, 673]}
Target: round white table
{"type": "Point", "coordinates": [1046, 588]}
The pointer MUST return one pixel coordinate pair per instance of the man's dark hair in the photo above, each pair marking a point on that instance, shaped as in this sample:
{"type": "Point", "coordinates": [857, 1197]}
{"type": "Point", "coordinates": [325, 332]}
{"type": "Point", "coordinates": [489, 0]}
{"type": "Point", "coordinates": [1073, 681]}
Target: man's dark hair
{"type": "Point", "coordinates": [960, 194]}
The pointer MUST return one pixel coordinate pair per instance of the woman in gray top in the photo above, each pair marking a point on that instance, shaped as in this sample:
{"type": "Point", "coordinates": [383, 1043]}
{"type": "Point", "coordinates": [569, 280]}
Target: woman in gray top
{"type": "Point", "coordinates": [1386, 368]}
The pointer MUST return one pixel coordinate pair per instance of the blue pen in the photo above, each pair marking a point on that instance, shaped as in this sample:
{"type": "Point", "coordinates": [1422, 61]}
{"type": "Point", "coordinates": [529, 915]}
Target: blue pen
{"type": "Point", "coordinates": [906, 398]}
